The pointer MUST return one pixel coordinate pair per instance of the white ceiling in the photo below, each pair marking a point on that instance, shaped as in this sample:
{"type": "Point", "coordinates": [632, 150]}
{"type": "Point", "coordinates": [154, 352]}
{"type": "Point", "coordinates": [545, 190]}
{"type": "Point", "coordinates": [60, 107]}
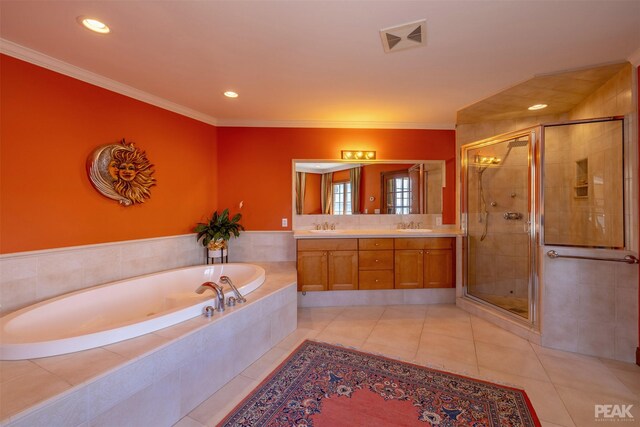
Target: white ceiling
{"type": "Point", "coordinates": [321, 63]}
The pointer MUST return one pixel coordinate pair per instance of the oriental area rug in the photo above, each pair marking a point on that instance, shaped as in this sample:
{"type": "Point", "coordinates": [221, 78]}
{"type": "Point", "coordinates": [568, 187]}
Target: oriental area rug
{"type": "Point", "coordinates": [322, 385]}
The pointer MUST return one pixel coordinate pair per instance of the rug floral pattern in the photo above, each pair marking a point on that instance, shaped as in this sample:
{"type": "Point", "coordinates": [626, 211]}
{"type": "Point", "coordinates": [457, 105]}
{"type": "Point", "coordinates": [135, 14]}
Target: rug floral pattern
{"type": "Point", "coordinates": [295, 392]}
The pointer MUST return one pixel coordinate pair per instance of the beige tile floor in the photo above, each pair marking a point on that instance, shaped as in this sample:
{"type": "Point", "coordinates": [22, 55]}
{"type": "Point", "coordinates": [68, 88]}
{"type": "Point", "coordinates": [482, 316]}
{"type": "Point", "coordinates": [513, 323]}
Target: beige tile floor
{"type": "Point", "coordinates": [563, 387]}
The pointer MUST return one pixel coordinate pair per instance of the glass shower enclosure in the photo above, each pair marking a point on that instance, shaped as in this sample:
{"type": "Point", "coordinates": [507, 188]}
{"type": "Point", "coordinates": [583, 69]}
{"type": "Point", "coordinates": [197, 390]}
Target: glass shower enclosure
{"type": "Point", "coordinates": [498, 214]}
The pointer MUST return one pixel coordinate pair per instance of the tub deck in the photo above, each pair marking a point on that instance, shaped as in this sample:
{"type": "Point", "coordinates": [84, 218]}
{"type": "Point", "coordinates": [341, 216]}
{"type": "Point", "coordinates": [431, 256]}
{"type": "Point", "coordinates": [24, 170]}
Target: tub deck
{"type": "Point", "coordinates": [182, 364]}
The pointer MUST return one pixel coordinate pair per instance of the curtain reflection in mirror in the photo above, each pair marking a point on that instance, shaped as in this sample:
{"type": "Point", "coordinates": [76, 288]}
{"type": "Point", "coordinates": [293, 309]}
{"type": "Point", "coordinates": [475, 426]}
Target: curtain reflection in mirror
{"type": "Point", "coordinates": [326, 193]}
{"type": "Point", "coordinates": [301, 187]}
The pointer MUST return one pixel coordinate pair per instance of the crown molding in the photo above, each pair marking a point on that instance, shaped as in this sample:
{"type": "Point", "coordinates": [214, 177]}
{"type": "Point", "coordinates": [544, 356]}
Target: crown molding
{"type": "Point", "coordinates": [40, 59]}
{"type": "Point", "coordinates": [333, 124]}
{"type": "Point", "coordinates": [634, 58]}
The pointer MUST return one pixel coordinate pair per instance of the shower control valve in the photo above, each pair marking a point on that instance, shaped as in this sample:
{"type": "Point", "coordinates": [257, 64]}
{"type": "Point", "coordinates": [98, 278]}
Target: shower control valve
{"type": "Point", "coordinates": [512, 216]}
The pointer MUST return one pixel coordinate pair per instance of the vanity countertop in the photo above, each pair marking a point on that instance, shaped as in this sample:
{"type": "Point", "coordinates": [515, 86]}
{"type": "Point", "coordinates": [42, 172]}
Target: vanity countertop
{"type": "Point", "coordinates": [376, 233]}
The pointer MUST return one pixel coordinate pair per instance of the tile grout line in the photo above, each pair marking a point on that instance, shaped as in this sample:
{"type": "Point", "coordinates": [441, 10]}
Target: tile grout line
{"type": "Point", "coordinates": [564, 405]}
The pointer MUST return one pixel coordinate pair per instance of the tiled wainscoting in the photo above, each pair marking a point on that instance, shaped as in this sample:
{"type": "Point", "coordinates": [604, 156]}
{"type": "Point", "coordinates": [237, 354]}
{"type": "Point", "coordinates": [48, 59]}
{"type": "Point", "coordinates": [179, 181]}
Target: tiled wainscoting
{"type": "Point", "coordinates": [157, 378]}
{"type": "Point", "coordinates": [267, 246]}
{"type": "Point", "coordinates": [589, 307]}
{"type": "Point", "coordinates": [30, 277]}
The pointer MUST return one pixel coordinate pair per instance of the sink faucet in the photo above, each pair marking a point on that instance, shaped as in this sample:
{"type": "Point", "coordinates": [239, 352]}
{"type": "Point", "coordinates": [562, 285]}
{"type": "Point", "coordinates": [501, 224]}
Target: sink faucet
{"type": "Point", "coordinates": [217, 289]}
{"type": "Point", "coordinates": [226, 280]}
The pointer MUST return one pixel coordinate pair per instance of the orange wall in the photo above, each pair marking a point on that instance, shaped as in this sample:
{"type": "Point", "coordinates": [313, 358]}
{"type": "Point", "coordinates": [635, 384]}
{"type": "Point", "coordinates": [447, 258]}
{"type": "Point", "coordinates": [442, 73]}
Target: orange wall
{"type": "Point", "coordinates": [312, 199]}
{"type": "Point", "coordinates": [50, 123]}
{"type": "Point", "coordinates": [261, 176]}
{"type": "Point", "coordinates": [371, 184]}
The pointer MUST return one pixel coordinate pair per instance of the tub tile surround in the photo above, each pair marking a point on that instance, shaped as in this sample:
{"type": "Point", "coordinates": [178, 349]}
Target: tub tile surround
{"type": "Point", "coordinates": [30, 277]}
{"type": "Point", "coordinates": [162, 375]}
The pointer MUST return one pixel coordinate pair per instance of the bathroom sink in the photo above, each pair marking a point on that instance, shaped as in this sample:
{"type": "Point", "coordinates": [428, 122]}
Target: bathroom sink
{"type": "Point", "coordinates": [415, 230]}
{"type": "Point", "coordinates": [325, 231]}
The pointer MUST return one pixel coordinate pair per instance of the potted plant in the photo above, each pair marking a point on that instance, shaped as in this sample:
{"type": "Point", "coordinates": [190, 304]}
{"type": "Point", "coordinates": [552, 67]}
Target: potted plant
{"type": "Point", "coordinates": [215, 234]}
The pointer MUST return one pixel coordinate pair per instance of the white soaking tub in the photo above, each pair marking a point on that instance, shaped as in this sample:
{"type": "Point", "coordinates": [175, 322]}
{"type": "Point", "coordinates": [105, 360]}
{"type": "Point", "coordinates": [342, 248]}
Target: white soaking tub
{"type": "Point", "coordinates": [117, 311]}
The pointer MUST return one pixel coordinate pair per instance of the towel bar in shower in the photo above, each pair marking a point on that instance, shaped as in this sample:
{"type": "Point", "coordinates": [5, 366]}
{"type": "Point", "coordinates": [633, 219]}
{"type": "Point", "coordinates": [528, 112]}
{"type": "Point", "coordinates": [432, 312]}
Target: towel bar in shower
{"type": "Point", "coordinates": [629, 259]}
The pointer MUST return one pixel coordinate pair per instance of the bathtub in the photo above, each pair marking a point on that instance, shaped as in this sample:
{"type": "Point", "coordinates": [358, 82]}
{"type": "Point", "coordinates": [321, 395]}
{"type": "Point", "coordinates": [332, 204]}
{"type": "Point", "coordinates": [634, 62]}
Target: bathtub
{"type": "Point", "coordinates": [116, 311]}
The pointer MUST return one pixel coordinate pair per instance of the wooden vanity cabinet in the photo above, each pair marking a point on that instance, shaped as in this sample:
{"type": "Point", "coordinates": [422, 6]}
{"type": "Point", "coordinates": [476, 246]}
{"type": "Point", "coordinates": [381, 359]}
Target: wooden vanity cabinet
{"type": "Point", "coordinates": [327, 264]}
{"type": "Point", "coordinates": [375, 263]}
{"type": "Point", "coordinates": [424, 262]}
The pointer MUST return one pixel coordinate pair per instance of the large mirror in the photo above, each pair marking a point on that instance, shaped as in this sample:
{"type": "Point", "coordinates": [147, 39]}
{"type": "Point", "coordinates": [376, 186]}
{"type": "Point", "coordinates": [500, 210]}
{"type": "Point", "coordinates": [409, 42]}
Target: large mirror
{"type": "Point", "coordinates": [348, 188]}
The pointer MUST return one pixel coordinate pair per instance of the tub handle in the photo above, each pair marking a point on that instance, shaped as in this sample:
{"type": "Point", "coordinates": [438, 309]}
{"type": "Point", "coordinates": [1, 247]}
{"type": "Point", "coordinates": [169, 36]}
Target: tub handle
{"type": "Point", "coordinates": [208, 311]}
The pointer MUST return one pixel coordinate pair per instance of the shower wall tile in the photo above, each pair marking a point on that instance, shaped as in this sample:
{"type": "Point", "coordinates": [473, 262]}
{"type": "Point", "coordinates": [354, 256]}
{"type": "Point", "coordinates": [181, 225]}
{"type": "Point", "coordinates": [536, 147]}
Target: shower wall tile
{"type": "Point", "coordinates": [590, 307]}
{"type": "Point", "coordinates": [560, 332]}
{"type": "Point", "coordinates": [596, 338]}
{"type": "Point", "coordinates": [597, 304]}
{"type": "Point", "coordinates": [30, 277]}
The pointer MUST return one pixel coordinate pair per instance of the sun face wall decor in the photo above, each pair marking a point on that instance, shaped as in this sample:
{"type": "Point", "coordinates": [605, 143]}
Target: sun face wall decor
{"type": "Point", "coordinates": [121, 172]}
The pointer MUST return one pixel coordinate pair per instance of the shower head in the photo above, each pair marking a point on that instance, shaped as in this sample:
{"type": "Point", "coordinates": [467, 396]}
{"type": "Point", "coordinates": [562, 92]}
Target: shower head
{"type": "Point", "coordinates": [518, 142]}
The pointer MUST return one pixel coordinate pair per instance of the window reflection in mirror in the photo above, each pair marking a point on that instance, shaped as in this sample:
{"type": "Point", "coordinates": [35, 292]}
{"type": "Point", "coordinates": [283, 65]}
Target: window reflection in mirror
{"type": "Point", "coordinates": [392, 187]}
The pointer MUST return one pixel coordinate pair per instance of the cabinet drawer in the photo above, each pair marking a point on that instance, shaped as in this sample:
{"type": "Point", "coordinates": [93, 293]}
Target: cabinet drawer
{"type": "Point", "coordinates": [375, 260]}
{"type": "Point", "coordinates": [376, 279]}
{"type": "Point", "coordinates": [424, 243]}
{"type": "Point", "coordinates": [375, 244]}
{"type": "Point", "coordinates": [328, 244]}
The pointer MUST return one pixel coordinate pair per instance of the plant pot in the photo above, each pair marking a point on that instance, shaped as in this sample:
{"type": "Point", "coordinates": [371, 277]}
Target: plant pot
{"type": "Point", "coordinates": [216, 253]}
{"type": "Point", "coordinates": [217, 249]}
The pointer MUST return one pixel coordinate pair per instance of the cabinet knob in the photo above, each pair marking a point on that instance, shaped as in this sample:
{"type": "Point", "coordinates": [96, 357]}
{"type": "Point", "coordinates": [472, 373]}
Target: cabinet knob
{"type": "Point", "coordinates": [377, 244]}
{"type": "Point", "coordinates": [377, 260]}
{"type": "Point", "coordinates": [377, 280]}
{"type": "Point", "coordinates": [420, 252]}
{"type": "Point", "coordinates": [427, 251]}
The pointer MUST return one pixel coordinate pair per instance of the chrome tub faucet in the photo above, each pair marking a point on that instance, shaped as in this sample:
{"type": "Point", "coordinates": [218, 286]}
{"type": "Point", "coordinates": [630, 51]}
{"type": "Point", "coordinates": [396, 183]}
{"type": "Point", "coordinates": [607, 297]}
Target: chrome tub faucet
{"type": "Point", "coordinates": [217, 289]}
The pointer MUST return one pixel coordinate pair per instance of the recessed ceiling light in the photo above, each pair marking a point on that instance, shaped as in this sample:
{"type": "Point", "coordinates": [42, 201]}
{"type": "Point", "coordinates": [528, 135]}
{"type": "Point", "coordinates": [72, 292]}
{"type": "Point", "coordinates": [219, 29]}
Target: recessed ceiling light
{"type": "Point", "coordinates": [94, 25]}
{"type": "Point", "coordinates": [230, 94]}
{"type": "Point", "coordinates": [537, 107]}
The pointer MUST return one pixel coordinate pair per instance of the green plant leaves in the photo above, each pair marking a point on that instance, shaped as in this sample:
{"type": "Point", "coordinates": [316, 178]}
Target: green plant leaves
{"type": "Point", "coordinates": [219, 227]}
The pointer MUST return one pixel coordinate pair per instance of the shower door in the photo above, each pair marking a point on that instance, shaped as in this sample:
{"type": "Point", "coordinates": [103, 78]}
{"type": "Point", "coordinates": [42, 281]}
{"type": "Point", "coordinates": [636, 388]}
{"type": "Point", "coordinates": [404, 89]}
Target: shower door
{"type": "Point", "coordinates": [497, 203]}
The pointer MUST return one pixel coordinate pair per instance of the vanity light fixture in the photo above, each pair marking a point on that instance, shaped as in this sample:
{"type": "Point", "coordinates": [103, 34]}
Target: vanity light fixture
{"type": "Point", "coordinates": [94, 25]}
{"type": "Point", "coordinates": [230, 94]}
{"type": "Point", "coordinates": [358, 155]}
{"type": "Point", "coordinates": [537, 107]}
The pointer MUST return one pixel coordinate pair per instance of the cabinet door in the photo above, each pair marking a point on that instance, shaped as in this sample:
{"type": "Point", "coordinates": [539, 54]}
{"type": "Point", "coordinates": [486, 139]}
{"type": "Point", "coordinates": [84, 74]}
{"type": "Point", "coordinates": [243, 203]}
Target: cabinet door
{"type": "Point", "coordinates": [408, 269]}
{"type": "Point", "coordinates": [438, 268]}
{"type": "Point", "coordinates": [312, 271]}
{"type": "Point", "coordinates": [343, 270]}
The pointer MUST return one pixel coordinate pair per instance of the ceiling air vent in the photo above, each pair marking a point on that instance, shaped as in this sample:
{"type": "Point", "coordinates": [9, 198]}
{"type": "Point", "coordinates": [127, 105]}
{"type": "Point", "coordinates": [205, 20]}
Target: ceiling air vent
{"type": "Point", "coordinates": [405, 36]}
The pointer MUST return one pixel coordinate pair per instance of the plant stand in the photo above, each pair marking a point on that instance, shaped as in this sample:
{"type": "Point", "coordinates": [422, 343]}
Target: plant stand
{"type": "Point", "coordinates": [221, 254]}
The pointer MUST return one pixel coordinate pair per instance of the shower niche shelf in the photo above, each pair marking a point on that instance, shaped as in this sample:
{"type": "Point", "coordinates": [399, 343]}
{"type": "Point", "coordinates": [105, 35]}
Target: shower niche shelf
{"type": "Point", "coordinates": [581, 189]}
